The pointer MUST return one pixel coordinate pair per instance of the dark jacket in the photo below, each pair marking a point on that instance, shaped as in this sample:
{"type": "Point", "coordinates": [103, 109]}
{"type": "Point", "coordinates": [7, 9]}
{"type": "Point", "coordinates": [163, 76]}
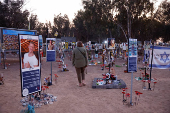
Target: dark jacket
{"type": "Point", "coordinates": [79, 59]}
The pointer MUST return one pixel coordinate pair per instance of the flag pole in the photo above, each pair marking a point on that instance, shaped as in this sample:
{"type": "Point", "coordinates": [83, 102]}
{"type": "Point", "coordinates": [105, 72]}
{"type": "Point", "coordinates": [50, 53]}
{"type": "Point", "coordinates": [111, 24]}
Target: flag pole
{"type": "Point", "coordinates": [151, 66]}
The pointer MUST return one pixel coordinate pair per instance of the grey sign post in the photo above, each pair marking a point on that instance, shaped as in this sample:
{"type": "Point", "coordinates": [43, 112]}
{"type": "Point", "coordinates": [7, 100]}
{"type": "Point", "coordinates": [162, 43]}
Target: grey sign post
{"type": "Point", "coordinates": [132, 61]}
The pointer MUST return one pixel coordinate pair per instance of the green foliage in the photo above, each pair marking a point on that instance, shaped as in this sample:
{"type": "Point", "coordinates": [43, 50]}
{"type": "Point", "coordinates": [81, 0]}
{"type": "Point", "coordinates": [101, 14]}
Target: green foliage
{"type": "Point", "coordinates": [99, 20]}
{"type": "Point", "coordinates": [12, 16]}
{"type": "Point", "coordinates": [95, 23]}
{"type": "Point", "coordinates": [61, 25]}
{"type": "Point", "coordinates": [162, 15]}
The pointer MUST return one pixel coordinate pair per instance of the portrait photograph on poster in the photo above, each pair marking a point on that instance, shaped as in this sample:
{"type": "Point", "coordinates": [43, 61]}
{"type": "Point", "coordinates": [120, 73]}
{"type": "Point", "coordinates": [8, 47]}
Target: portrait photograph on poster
{"type": "Point", "coordinates": [103, 46]}
{"type": "Point", "coordinates": [50, 44]}
{"type": "Point", "coordinates": [93, 46]}
{"type": "Point", "coordinates": [50, 50]}
{"type": "Point", "coordinates": [147, 45]}
{"type": "Point", "coordinates": [111, 43]}
{"type": "Point", "coordinates": [132, 48]}
{"type": "Point", "coordinates": [30, 64]}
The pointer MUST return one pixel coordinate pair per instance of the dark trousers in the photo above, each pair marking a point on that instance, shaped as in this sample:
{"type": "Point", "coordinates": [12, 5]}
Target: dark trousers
{"type": "Point", "coordinates": [80, 74]}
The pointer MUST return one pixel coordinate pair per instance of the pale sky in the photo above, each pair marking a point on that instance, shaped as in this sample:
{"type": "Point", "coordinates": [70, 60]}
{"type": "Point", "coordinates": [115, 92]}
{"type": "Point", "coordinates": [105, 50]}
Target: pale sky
{"type": "Point", "coordinates": [46, 9]}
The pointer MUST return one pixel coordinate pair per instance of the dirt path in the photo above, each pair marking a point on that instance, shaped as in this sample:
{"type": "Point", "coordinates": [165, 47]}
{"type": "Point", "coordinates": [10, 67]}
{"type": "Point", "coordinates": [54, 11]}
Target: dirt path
{"type": "Point", "coordinates": [73, 99]}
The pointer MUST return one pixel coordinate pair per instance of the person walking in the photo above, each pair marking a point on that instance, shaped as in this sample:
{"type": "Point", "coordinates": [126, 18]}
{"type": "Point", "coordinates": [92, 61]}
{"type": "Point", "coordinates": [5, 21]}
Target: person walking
{"type": "Point", "coordinates": [79, 60]}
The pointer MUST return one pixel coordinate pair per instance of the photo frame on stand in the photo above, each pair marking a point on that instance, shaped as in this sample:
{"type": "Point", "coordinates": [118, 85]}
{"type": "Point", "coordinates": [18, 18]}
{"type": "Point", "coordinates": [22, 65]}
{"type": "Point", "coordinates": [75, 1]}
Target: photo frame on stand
{"type": "Point", "coordinates": [30, 66]}
{"type": "Point", "coordinates": [110, 43]}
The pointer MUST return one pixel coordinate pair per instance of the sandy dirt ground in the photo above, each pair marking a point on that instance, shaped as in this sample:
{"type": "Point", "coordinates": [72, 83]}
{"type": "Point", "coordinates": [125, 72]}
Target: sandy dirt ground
{"type": "Point", "coordinates": [74, 99]}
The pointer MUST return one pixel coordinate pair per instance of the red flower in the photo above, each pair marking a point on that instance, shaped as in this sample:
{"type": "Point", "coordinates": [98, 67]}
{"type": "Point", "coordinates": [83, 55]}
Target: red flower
{"type": "Point", "coordinates": [149, 81]}
{"type": "Point", "coordinates": [124, 89]}
{"type": "Point", "coordinates": [140, 93]}
{"type": "Point", "coordinates": [112, 76]}
{"type": "Point", "coordinates": [137, 93]}
{"type": "Point", "coordinates": [104, 77]}
{"type": "Point", "coordinates": [123, 92]}
{"type": "Point", "coordinates": [143, 81]}
{"type": "Point", "coordinates": [104, 74]}
{"type": "Point", "coordinates": [155, 82]}
{"type": "Point", "coordinates": [55, 75]}
{"type": "Point", "coordinates": [107, 68]}
{"type": "Point", "coordinates": [127, 95]}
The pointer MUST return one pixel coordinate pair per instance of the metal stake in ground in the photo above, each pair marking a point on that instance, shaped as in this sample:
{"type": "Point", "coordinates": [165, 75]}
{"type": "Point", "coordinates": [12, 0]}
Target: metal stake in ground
{"type": "Point", "coordinates": [131, 88]}
{"type": "Point", "coordinates": [51, 73]}
{"type": "Point", "coordinates": [151, 67]}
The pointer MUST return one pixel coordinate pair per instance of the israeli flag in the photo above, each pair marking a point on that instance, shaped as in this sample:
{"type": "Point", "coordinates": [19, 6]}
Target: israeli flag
{"type": "Point", "coordinates": [161, 57]}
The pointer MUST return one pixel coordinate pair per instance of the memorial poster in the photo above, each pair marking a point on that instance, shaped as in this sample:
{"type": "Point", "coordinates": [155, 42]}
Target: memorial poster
{"type": "Point", "coordinates": [29, 64]}
{"type": "Point", "coordinates": [111, 43]}
{"type": "Point", "coordinates": [132, 56]}
{"type": "Point", "coordinates": [50, 50]}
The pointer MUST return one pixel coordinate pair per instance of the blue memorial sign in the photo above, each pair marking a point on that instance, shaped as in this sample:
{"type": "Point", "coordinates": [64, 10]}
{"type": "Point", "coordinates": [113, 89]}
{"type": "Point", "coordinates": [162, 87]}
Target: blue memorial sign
{"type": "Point", "coordinates": [50, 50]}
{"type": "Point", "coordinates": [132, 65]}
{"type": "Point", "coordinates": [132, 57]}
{"type": "Point", "coordinates": [30, 64]}
{"type": "Point", "coordinates": [31, 80]}
{"type": "Point", "coordinates": [50, 56]}
{"type": "Point", "coordinates": [40, 41]}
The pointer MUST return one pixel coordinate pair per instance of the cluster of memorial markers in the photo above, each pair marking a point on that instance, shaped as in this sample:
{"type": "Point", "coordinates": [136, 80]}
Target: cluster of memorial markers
{"type": "Point", "coordinates": [34, 91]}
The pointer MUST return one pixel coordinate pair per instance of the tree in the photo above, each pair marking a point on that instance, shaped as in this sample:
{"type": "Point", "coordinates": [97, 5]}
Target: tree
{"type": "Point", "coordinates": [80, 30]}
{"type": "Point", "coordinates": [33, 21]}
{"type": "Point", "coordinates": [94, 23]}
{"type": "Point", "coordinates": [61, 25]}
{"type": "Point", "coordinates": [129, 14]}
{"type": "Point", "coordinates": [12, 16]}
{"type": "Point", "coordinates": [163, 16]}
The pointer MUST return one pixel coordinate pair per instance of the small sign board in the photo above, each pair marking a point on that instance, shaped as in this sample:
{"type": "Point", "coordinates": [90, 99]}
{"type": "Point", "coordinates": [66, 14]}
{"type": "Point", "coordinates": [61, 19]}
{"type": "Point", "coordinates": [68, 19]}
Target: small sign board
{"type": "Point", "coordinates": [132, 55]}
{"type": "Point", "coordinates": [50, 50]}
